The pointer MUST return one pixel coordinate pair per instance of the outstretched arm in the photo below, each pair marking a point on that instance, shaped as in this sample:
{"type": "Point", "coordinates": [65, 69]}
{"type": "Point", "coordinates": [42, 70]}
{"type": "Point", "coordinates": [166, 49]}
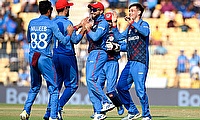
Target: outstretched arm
{"type": "Point", "coordinates": [59, 35]}
{"type": "Point", "coordinates": [77, 38]}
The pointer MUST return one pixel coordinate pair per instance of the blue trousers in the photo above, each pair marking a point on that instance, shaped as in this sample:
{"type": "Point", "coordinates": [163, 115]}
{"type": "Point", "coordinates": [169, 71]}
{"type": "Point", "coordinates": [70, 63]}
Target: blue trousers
{"type": "Point", "coordinates": [46, 68]}
{"type": "Point", "coordinates": [94, 65]}
{"type": "Point", "coordinates": [110, 73]}
{"type": "Point", "coordinates": [67, 73]}
{"type": "Point", "coordinates": [134, 72]}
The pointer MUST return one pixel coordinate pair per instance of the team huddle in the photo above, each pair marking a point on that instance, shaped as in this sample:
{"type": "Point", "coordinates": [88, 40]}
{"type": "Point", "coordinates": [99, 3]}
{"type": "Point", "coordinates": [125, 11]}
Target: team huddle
{"type": "Point", "coordinates": [105, 44]}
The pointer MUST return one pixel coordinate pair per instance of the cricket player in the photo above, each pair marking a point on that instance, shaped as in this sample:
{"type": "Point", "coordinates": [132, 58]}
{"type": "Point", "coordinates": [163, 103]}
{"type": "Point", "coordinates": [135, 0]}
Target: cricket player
{"type": "Point", "coordinates": [39, 34]}
{"type": "Point", "coordinates": [136, 69]}
{"type": "Point", "coordinates": [96, 35]}
{"type": "Point", "coordinates": [111, 75]}
{"type": "Point", "coordinates": [67, 72]}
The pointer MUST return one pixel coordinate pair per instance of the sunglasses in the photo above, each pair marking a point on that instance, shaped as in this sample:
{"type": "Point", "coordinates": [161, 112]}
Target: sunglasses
{"type": "Point", "coordinates": [94, 9]}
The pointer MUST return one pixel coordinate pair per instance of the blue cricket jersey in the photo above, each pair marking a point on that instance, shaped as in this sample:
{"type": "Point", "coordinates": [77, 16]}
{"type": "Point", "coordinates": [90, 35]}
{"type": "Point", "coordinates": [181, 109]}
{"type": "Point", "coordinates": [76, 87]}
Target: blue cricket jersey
{"type": "Point", "coordinates": [40, 33]}
{"type": "Point", "coordinates": [137, 36]}
{"type": "Point", "coordinates": [112, 54]}
{"type": "Point", "coordinates": [67, 49]}
{"type": "Point", "coordinates": [97, 36]}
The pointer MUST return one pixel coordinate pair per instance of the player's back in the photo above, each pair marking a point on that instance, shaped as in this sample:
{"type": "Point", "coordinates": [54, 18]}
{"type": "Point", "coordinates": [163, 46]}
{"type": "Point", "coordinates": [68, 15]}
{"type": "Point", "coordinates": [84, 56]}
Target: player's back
{"type": "Point", "coordinates": [59, 48]}
{"type": "Point", "coordinates": [40, 33]}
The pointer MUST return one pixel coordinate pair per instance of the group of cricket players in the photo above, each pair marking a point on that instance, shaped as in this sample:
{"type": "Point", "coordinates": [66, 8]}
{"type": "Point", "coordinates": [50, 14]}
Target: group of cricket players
{"type": "Point", "coordinates": [59, 67]}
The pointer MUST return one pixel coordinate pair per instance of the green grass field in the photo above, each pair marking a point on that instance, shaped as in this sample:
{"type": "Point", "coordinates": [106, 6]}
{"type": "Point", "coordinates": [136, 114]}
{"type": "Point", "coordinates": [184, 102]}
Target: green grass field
{"type": "Point", "coordinates": [83, 112]}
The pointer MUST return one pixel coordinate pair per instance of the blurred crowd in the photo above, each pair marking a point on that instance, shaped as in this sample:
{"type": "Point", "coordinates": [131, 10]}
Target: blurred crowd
{"type": "Point", "coordinates": [13, 32]}
{"type": "Point", "coordinates": [189, 65]}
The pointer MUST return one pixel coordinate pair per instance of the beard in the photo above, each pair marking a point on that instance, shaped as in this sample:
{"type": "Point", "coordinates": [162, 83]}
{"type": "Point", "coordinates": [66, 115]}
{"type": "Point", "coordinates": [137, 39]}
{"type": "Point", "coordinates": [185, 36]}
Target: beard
{"type": "Point", "coordinates": [49, 16]}
{"type": "Point", "coordinates": [94, 17]}
{"type": "Point", "coordinates": [67, 15]}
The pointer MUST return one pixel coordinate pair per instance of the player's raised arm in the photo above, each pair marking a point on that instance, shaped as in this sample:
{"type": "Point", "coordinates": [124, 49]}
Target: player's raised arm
{"type": "Point", "coordinates": [142, 27]}
{"type": "Point", "coordinates": [101, 31]}
{"type": "Point", "coordinates": [117, 34]}
{"type": "Point", "coordinates": [77, 38]}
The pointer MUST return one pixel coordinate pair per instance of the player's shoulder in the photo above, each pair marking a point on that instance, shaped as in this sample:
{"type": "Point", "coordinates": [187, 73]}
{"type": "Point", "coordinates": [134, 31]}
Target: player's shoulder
{"type": "Point", "coordinates": [103, 22]}
{"type": "Point", "coordinates": [54, 19]}
{"type": "Point", "coordinates": [144, 22]}
{"type": "Point", "coordinates": [70, 22]}
{"type": "Point", "coordinates": [33, 20]}
{"type": "Point", "coordinates": [62, 19]}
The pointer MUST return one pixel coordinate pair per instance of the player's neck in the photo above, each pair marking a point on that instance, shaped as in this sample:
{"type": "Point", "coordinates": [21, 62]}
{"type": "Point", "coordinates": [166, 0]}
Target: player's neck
{"type": "Point", "coordinates": [137, 19]}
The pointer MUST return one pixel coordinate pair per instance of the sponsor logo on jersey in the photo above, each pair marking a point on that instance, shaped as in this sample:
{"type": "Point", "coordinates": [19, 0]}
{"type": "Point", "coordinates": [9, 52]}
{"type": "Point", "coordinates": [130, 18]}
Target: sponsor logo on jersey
{"type": "Point", "coordinates": [133, 38]}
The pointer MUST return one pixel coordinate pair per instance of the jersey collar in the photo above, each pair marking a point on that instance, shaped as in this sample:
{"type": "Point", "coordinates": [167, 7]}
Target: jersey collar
{"type": "Point", "coordinates": [62, 17]}
{"type": "Point", "coordinates": [100, 18]}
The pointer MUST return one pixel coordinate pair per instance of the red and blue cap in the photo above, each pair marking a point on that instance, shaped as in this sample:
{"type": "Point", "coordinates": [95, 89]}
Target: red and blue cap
{"type": "Point", "coordinates": [62, 4]}
{"type": "Point", "coordinates": [108, 16]}
{"type": "Point", "coordinates": [96, 5]}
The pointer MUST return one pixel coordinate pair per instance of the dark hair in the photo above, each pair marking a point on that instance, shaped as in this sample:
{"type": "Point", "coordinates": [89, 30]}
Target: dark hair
{"type": "Point", "coordinates": [60, 10]}
{"type": "Point", "coordinates": [138, 6]}
{"type": "Point", "coordinates": [44, 6]}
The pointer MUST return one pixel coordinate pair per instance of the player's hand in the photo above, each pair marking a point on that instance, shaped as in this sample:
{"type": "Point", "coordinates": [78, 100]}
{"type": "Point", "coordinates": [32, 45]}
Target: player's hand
{"type": "Point", "coordinates": [82, 32]}
{"type": "Point", "coordinates": [128, 19]}
{"type": "Point", "coordinates": [70, 30]}
{"type": "Point", "coordinates": [83, 28]}
{"type": "Point", "coordinates": [109, 45]}
{"type": "Point", "coordinates": [84, 21]}
{"type": "Point", "coordinates": [114, 18]}
{"type": "Point", "coordinates": [88, 26]}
